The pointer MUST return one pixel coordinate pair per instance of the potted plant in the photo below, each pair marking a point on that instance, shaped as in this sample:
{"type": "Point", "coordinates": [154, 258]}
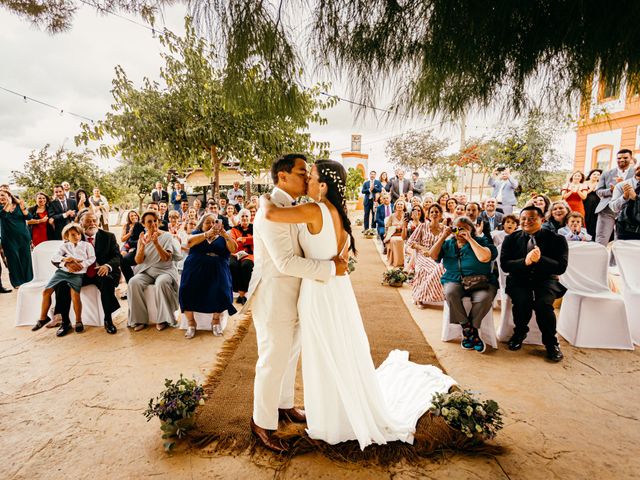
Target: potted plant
{"type": "Point", "coordinates": [175, 407]}
{"type": "Point", "coordinates": [464, 413]}
{"type": "Point", "coordinates": [370, 233]}
{"type": "Point", "coordinates": [394, 277]}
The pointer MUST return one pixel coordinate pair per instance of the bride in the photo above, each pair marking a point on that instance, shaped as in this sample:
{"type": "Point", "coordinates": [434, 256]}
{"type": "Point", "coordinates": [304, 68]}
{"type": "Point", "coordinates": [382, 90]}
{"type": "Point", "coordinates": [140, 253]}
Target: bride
{"type": "Point", "coordinates": [346, 398]}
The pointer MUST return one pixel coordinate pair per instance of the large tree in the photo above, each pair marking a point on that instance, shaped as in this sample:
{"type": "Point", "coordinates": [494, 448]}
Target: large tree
{"type": "Point", "coordinates": [417, 150]}
{"type": "Point", "coordinates": [196, 118]}
{"type": "Point", "coordinates": [440, 55]}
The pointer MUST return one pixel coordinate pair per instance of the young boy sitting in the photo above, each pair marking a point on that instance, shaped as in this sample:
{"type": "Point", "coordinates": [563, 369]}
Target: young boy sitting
{"type": "Point", "coordinates": [573, 231]}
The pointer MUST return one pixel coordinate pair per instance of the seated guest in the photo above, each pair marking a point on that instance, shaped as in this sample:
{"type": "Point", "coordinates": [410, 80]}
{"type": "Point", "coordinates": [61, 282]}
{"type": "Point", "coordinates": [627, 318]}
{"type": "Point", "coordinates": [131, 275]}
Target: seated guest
{"type": "Point", "coordinates": [383, 211]}
{"type": "Point", "coordinates": [174, 223]}
{"type": "Point", "coordinates": [510, 224]}
{"type": "Point", "coordinates": [192, 214]}
{"type": "Point", "coordinates": [82, 199]}
{"type": "Point", "coordinates": [427, 202]}
{"type": "Point", "coordinates": [230, 215]}
{"type": "Point", "coordinates": [72, 251]}
{"type": "Point", "coordinates": [130, 235]}
{"type": "Point", "coordinates": [450, 211]}
{"type": "Point", "coordinates": [395, 235]}
{"type": "Point", "coordinates": [197, 206]}
{"type": "Point", "coordinates": [239, 205]}
{"type": "Point", "coordinates": [465, 255]}
{"type": "Point", "coordinates": [442, 200]}
{"type": "Point", "coordinates": [222, 205]}
{"type": "Point", "coordinates": [155, 253]}
{"type": "Point", "coordinates": [533, 258]}
{"type": "Point", "coordinates": [163, 210]}
{"type": "Point", "coordinates": [557, 216]}
{"type": "Point", "coordinates": [104, 273]}
{"type": "Point", "coordinates": [491, 215]}
{"type": "Point", "coordinates": [472, 210]}
{"type": "Point", "coordinates": [184, 210]}
{"type": "Point", "coordinates": [574, 230]}
{"type": "Point", "coordinates": [205, 285]}
{"type": "Point", "coordinates": [459, 211]}
{"type": "Point", "coordinates": [213, 209]}
{"type": "Point", "coordinates": [416, 218]}
{"type": "Point", "coordinates": [127, 229]}
{"type": "Point", "coordinates": [253, 209]}
{"type": "Point", "coordinates": [542, 202]}
{"type": "Point", "coordinates": [241, 263]}
{"type": "Point", "coordinates": [38, 222]}
{"type": "Point", "coordinates": [426, 287]}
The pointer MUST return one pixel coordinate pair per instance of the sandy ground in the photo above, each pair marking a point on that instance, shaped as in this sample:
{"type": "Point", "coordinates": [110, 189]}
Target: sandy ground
{"type": "Point", "coordinates": [72, 408]}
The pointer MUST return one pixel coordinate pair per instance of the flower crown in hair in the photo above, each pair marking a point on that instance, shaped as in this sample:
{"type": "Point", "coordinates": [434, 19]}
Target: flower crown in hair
{"type": "Point", "coordinates": [337, 180]}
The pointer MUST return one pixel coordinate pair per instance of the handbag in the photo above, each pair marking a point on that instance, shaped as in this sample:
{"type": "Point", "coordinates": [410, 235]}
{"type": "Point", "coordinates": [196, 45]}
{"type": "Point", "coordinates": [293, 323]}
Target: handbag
{"type": "Point", "coordinates": [471, 283]}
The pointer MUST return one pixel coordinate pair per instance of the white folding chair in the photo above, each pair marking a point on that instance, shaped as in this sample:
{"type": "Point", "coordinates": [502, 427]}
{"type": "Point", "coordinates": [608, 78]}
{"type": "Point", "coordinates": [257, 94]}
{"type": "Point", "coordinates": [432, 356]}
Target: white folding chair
{"type": "Point", "coordinates": [591, 315]}
{"type": "Point", "coordinates": [627, 253]}
{"type": "Point", "coordinates": [451, 332]}
{"type": "Point", "coordinates": [507, 325]}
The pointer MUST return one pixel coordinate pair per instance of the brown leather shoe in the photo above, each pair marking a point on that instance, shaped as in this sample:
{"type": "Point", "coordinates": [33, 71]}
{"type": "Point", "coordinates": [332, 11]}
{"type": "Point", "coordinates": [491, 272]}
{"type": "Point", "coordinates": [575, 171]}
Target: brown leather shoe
{"type": "Point", "coordinates": [296, 415]}
{"type": "Point", "coordinates": [268, 440]}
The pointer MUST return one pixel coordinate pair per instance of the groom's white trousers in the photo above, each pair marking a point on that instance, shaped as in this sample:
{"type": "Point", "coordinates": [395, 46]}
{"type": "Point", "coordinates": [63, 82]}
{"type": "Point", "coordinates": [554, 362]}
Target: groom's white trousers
{"type": "Point", "coordinates": [275, 317]}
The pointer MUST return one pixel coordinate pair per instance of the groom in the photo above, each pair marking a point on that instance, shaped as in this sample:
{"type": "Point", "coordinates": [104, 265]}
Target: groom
{"type": "Point", "coordinates": [273, 297]}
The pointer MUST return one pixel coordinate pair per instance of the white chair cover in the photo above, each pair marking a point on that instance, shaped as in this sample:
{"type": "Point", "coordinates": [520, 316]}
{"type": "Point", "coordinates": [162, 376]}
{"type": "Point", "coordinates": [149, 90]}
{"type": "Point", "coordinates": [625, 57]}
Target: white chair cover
{"type": "Point", "coordinates": [30, 294]}
{"type": "Point", "coordinates": [507, 325]}
{"type": "Point", "coordinates": [627, 254]}
{"type": "Point", "coordinates": [591, 315]}
{"type": "Point", "coordinates": [451, 332]}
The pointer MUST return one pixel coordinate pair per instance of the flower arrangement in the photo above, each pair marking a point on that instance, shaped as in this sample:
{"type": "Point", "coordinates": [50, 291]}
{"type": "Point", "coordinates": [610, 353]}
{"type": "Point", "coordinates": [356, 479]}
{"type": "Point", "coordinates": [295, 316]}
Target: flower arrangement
{"type": "Point", "coordinates": [352, 263]}
{"type": "Point", "coordinates": [463, 412]}
{"type": "Point", "coordinates": [370, 233]}
{"type": "Point", "coordinates": [359, 222]}
{"type": "Point", "coordinates": [175, 407]}
{"type": "Point", "coordinates": [394, 277]}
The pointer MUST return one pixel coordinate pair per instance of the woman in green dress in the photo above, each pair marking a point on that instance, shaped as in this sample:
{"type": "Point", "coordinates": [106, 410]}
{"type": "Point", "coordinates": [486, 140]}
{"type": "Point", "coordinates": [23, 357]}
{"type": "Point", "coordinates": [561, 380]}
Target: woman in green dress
{"type": "Point", "coordinates": [16, 240]}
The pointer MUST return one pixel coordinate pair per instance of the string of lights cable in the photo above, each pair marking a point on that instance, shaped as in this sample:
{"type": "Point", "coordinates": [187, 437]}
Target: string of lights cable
{"type": "Point", "coordinates": [61, 111]}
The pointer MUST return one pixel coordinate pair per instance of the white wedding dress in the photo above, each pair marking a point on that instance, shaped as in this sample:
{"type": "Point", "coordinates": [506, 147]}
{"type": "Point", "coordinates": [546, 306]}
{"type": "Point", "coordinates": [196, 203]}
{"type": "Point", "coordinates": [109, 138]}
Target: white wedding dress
{"type": "Point", "coordinates": [345, 397]}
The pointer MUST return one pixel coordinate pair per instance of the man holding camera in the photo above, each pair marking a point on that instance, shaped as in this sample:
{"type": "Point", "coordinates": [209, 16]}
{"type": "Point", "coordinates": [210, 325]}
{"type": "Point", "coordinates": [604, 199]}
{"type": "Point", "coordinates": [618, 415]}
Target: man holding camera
{"type": "Point", "coordinates": [504, 189]}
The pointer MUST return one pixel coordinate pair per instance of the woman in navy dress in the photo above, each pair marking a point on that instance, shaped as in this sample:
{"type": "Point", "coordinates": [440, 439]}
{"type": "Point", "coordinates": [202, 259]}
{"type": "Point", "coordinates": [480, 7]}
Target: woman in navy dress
{"type": "Point", "coordinates": [206, 285]}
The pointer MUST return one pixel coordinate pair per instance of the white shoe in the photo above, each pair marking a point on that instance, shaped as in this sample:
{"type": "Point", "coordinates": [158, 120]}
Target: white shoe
{"type": "Point", "coordinates": [216, 329]}
{"type": "Point", "coordinates": [190, 333]}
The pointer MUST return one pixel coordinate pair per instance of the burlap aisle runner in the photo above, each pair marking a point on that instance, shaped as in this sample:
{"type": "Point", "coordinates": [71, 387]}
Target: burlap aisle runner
{"type": "Point", "coordinates": [222, 424]}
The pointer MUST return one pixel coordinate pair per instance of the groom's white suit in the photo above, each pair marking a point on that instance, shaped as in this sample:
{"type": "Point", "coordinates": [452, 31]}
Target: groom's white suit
{"type": "Point", "coordinates": [273, 298]}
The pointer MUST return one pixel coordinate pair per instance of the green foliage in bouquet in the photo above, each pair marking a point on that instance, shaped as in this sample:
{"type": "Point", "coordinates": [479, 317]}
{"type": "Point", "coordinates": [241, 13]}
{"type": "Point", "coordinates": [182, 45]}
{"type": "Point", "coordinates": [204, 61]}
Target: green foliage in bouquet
{"type": "Point", "coordinates": [370, 233]}
{"type": "Point", "coordinates": [352, 263]}
{"type": "Point", "coordinates": [175, 407]}
{"type": "Point", "coordinates": [394, 276]}
{"type": "Point", "coordinates": [463, 412]}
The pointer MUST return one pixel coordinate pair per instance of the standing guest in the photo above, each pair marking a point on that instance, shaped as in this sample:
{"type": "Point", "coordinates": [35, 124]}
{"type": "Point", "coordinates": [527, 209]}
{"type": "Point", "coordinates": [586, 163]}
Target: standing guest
{"type": "Point", "coordinates": [575, 191]}
{"type": "Point", "coordinates": [418, 184]}
{"type": "Point", "coordinates": [371, 189]}
{"type": "Point", "coordinates": [241, 261]}
{"type": "Point", "coordinates": [178, 196]}
{"type": "Point", "coordinates": [234, 193]}
{"type": "Point", "coordinates": [155, 253]}
{"type": "Point", "coordinates": [427, 202]}
{"type": "Point", "coordinates": [472, 210]}
{"type": "Point", "coordinates": [104, 273]}
{"type": "Point", "coordinates": [184, 210]}
{"type": "Point", "coordinates": [460, 197]}
{"type": "Point", "coordinates": [384, 181]}
{"type": "Point", "coordinates": [504, 189]}
{"type": "Point", "coordinates": [592, 201]}
{"type": "Point", "coordinates": [205, 285]}
{"type": "Point", "coordinates": [442, 201]}
{"type": "Point", "coordinates": [16, 240]}
{"type": "Point", "coordinates": [239, 203]}
{"type": "Point", "coordinates": [396, 235]}
{"type": "Point", "coordinates": [100, 208]}
{"type": "Point", "coordinates": [212, 208]}
{"type": "Point", "coordinates": [415, 201]}
{"type": "Point", "coordinates": [73, 259]}
{"type": "Point", "coordinates": [159, 194]}
{"type": "Point", "coordinates": [61, 211]}
{"type": "Point", "coordinates": [533, 258]}
{"type": "Point", "coordinates": [253, 209]}
{"type": "Point", "coordinates": [491, 215]}
{"type": "Point", "coordinates": [557, 216]}
{"type": "Point", "coordinates": [382, 213]}
{"type": "Point", "coordinates": [230, 215]}
{"type": "Point", "coordinates": [38, 222]}
{"type": "Point", "coordinates": [624, 203]}
{"type": "Point", "coordinates": [510, 224]}
{"type": "Point", "coordinates": [82, 199]}
{"type": "Point", "coordinates": [197, 206]}
{"type": "Point", "coordinates": [574, 230]}
{"type": "Point", "coordinates": [399, 186]}
{"type": "Point", "coordinates": [542, 202]}
{"type": "Point", "coordinates": [163, 211]}
{"type": "Point", "coordinates": [426, 287]}
{"type": "Point", "coordinates": [222, 204]}
{"type": "Point", "coordinates": [68, 193]}
{"type": "Point", "coordinates": [608, 180]}
{"type": "Point", "coordinates": [464, 255]}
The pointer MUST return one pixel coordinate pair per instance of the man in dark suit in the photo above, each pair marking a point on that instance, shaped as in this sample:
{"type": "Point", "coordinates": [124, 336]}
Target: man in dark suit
{"type": "Point", "coordinates": [533, 258]}
{"type": "Point", "coordinates": [159, 194]}
{"type": "Point", "coordinates": [104, 274]}
{"type": "Point", "coordinates": [163, 211]}
{"type": "Point", "coordinates": [212, 208]}
{"type": "Point", "coordinates": [370, 189]}
{"type": "Point", "coordinates": [399, 186]}
{"type": "Point", "coordinates": [68, 193]}
{"type": "Point", "coordinates": [384, 210]}
{"type": "Point", "coordinates": [178, 196]}
{"type": "Point", "coordinates": [61, 211]}
{"type": "Point", "coordinates": [472, 210]}
{"type": "Point", "coordinates": [491, 215]}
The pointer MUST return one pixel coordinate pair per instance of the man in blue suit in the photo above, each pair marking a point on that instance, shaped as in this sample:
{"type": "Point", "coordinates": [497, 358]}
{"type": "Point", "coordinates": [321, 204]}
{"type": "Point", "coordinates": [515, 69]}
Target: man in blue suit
{"type": "Point", "coordinates": [370, 189]}
{"type": "Point", "coordinates": [384, 210]}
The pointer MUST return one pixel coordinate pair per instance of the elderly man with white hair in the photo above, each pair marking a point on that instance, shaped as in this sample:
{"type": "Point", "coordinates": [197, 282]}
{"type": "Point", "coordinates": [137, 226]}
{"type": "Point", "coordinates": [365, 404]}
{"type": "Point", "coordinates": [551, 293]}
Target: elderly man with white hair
{"type": "Point", "coordinates": [234, 192]}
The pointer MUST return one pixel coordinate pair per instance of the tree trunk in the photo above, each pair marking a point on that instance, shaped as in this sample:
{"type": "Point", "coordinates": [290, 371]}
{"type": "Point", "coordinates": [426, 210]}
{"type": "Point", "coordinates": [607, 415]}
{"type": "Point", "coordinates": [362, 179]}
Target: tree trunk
{"type": "Point", "coordinates": [484, 177]}
{"type": "Point", "coordinates": [471, 188]}
{"type": "Point", "coordinates": [215, 163]}
{"type": "Point", "coordinates": [141, 197]}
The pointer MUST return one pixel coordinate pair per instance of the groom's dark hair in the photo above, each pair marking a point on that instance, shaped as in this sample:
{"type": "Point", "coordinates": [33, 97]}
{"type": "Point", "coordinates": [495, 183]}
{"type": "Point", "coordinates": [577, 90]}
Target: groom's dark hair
{"type": "Point", "coordinates": [285, 164]}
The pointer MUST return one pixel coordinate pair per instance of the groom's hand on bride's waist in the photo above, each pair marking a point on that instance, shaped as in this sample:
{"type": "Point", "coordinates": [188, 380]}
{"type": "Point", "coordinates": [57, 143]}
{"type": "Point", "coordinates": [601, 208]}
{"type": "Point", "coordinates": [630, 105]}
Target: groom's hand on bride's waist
{"type": "Point", "coordinates": [341, 265]}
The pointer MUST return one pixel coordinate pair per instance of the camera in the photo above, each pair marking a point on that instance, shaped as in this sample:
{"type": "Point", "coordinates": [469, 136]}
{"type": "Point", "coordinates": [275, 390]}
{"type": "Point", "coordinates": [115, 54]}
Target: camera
{"type": "Point", "coordinates": [455, 230]}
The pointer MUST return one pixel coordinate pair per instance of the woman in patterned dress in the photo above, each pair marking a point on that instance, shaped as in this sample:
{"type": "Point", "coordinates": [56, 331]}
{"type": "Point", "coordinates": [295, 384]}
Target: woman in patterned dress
{"type": "Point", "coordinates": [426, 285]}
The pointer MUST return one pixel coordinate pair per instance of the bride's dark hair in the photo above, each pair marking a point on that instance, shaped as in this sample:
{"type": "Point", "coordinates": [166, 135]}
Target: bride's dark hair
{"type": "Point", "coordinates": [334, 175]}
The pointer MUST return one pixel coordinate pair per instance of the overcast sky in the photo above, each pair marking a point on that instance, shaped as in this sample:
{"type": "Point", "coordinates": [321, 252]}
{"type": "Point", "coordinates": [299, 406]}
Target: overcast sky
{"type": "Point", "coordinates": [73, 71]}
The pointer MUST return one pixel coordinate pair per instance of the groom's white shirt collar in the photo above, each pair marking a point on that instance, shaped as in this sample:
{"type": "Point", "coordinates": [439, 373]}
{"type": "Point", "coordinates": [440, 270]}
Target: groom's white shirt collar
{"type": "Point", "coordinates": [279, 191]}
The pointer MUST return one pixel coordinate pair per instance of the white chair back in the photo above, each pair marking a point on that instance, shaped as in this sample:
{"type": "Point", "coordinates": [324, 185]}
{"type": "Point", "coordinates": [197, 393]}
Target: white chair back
{"type": "Point", "coordinates": [627, 253]}
{"type": "Point", "coordinates": [41, 256]}
{"type": "Point", "coordinates": [587, 268]}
